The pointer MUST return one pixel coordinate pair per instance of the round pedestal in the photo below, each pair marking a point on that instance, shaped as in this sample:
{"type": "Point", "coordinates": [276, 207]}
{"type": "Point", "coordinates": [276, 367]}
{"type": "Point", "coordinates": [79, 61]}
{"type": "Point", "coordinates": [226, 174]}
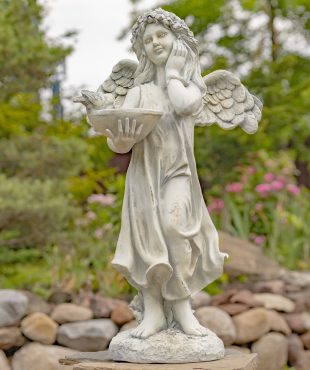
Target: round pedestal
{"type": "Point", "coordinates": [167, 346]}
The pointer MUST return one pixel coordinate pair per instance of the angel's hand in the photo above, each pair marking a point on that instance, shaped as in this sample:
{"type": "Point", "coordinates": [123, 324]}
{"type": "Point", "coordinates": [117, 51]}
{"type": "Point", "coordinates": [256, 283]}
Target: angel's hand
{"type": "Point", "coordinates": [126, 136]}
{"type": "Point", "coordinates": [176, 60]}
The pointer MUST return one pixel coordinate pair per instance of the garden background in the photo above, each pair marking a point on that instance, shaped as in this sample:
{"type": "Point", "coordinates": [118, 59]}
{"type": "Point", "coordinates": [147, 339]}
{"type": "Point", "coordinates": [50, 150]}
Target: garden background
{"type": "Point", "coordinates": [61, 188]}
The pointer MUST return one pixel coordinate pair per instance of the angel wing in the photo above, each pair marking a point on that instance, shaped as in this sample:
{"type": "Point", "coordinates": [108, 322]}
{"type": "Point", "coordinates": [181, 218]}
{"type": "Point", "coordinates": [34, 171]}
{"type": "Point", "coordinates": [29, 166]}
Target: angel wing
{"type": "Point", "coordinates": [120, 81]}
{"type": "Point", "coordinates": [229, 104]}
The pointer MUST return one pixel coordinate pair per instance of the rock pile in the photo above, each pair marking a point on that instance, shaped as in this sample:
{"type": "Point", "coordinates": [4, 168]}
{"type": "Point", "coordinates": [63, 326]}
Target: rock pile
{"type": "Point", "coordinates": [271, 318]}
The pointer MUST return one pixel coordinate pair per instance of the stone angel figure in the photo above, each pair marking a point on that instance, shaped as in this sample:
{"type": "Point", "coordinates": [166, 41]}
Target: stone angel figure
{"type": "Point", "coordinates": [168, 246]}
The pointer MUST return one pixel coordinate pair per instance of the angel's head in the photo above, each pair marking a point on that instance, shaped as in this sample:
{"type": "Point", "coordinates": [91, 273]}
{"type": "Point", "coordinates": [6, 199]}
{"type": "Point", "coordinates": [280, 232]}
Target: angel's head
{"type": "Point", "coordinates": [152, 40]}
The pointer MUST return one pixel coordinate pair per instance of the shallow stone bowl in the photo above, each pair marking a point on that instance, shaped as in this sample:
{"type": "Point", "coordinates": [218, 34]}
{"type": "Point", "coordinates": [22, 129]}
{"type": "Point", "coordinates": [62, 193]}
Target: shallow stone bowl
{"type": "Point", "coordinates": [108, 119]}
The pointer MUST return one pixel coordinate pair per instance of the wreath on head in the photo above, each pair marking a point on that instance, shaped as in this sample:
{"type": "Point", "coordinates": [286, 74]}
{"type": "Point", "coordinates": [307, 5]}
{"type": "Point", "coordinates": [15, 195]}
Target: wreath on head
{"type": "Point", "coordinates": [169, 20]}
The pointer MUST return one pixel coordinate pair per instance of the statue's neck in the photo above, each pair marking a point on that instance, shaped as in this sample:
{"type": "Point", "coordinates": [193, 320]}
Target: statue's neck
{"type": "Point", "coordinates": [160, 79]}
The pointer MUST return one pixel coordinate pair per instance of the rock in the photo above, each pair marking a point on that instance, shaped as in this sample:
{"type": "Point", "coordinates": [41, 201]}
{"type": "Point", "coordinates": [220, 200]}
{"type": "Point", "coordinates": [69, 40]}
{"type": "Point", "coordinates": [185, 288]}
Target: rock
{"type": "Point", "coordinates": [217, 321]}
{"type": "Point", "coordinates": [92, 335]}
{"type": "Point", "coordinates": [233, 308]}
{"type": "Point", "coordinates": [60, 297]}
{"type": "Point", "coordinates": [40, 328]}
{"type": "Point", "coordinates": [306, 340]}
{"type": "Point", "coordinates": [248, 259]}
{"type": "Point", "coordinates": [35, 356]}
{"type": "Point", "coordinates": [278, 323]}
{"type": "Point", "coordinates": [4, 362]}
{"type": "Point", "coordinates": [272, 350]}
{"type": "Point", "coordinates": [295, 350]}
{"type": "Point", "coordinates": [245, 297]}
{"type": "Point", "coordinates": [304, 363]}
{"type": "Point", "coordinates": [251, 325]}
{"type": "Point", "coordinates": [103, 307]}
{"type": "Point", "coordinates": [275, 302]}
{"type": "Point", "coordinates": [301, 298]}
{"type": "Point", "coordinates": [302, 279]}
{"type": "Point", "coordinates": [122, 314]}
{"type": "Point", "coordinates": [13, 306]}
{"type": "Point", "coordinates": [223, 298]}
{"type": "Point", "coordinates": [167, 346]}
{"type": "Point", "coordinates": [236, 349]}
{"type": "Point", "coordinates": [11, 337]}
{"type": "Point", "coordinates": [299, 322]}
{"type": "Point", "coordinates": [272, 286]}
{"type": "Point", "coordinates": [69, 312]}
{"type": "Point", "coordinates": [36, 304]}
{"type": "Point", "coordinates": [130, 325]}
{"type": "Point", "coordinates": [201, 299]}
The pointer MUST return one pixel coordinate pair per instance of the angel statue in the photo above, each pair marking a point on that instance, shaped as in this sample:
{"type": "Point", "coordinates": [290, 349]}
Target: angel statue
{"type": "Point", "coordinates": [168, 246]}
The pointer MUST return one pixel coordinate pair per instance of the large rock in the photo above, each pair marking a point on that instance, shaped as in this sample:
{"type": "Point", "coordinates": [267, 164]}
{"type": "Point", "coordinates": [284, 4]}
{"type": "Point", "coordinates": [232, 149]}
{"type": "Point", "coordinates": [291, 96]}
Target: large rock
{"type": "Point", "coordinates": [271, 286]}
{"type": "Point", "coordinates": [304, 363]}
{"type": "Point", "coordinates": [4, 362]}
{"type": "Point", "coordinates": [217, 321]}
{"type": "Point", "coordinates": [167, 346]}
{"type": "Point", "coordinates": [11, 337]}
{"type": "Point", "coordinates": [296, 351]}
{"type": "Point", "coordinates": [35, 356]}
{"type": "Point", "coordinates": [306, 340]}
{"type": "Point", "coordinates": [13, 306]}
{"type": "Point", "coordinates": [233, 308]}
{"type": "Point", "coordinates": [275, 302]}
{"type": "Point", "coordinates": [245, 297]}
{"type": "Point", "coordinates": [69, 312]}
{"type": "Point", "coordinates": [246, 258]}
{"type": "Point", "coordinates": [272, 350]}
{"type": "Point", "coordinates": [36, 304]}
{"type": "Point", "coordinates": [278, 323]}
{"type": "Point", "coordinates": [251, 325]}
{"type": "Point", "coordinates": [40, 328]}
{"type": "Point", "coordinates": [299, 322]}
{"type": "Point", "coordinates": [200, 299]}
{"type": "Point", "coordinates": [129, 325]}
{"type": "Point", "coordinates": [92, 335]}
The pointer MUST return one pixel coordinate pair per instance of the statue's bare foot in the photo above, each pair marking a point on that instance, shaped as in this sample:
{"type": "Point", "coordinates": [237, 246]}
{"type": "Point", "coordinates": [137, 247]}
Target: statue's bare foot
{"type": "Point", "coordinates": [184, 316]}
{"type": "Point", "coordinates": [148, 327]}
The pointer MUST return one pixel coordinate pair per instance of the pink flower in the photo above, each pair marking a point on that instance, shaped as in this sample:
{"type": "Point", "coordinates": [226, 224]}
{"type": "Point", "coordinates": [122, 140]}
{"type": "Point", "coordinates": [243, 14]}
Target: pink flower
{"type": "Point", "coordinates": [234, 187]}
{"type": "Point", "coordinates": [104, 200]}
{"type": "Point", "coordinates": [259, 239]}
{"type": "Point", "coordinates": [251, 170]}
{"type": "Point", "coordinates": [263, 189]}
{"type": "Point", "coordinates": [99, 233]}
{"type": "Point", "coordinates": [277, 185]}
{"type": "Point", "coordinates": [293, 189]}
{"type": "Point", "coordinates": [91, 216]}
{"type": "Point", "coordinates": [216, 205]}
{"type": "Point", "coordinates": [269, 177]}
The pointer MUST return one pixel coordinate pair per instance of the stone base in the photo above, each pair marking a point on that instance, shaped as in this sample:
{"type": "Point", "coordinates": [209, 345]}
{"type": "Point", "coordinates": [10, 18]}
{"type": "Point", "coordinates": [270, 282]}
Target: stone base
{"type": "Point", "coordinates": [166, 347]}
{"type": "Point", "coordinates": [231, 361]}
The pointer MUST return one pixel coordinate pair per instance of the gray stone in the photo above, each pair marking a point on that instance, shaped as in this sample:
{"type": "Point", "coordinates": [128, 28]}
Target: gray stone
{"type": "Point", "coordinates": [91, 335]}
{"type": "Point", "coordinates": [39, 328]}
{"type": "Point", "coordinates": [251, 325]}
{"type": "Point", "coordinates": [167, 346]}
{"type": "Point", "coordinates": [4, 362]}
{"type": "Point", "coordinates": [272, 350]}
{"type": "Point", "coordinates": [278, 323]}
{"type": "Point", "coordinates": [13, 306]}
{"type": "Point", "coordinates": [275, 302]}
{"type": "Point", "coordinates": [36, 304]}
{"type": "Point", "coordinates": [35, 356]}
{"type": "Point", "coordinates": [69, 312]}
{"type": "Point", "coordinates": [219, 322]}
{"type": "Point", "coordinates": [11, 337]}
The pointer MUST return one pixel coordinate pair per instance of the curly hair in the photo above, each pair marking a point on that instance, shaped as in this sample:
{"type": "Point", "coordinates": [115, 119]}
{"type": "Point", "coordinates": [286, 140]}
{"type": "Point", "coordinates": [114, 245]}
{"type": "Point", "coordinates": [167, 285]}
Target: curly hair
{"type": "Point", "coordinates": [145, 71]}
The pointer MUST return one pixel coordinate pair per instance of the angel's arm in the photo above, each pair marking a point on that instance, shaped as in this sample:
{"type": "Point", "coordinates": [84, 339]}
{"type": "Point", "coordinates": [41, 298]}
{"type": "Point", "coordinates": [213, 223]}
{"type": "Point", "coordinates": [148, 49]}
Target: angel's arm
{"type": "Point", "coordinates": [186, 100]}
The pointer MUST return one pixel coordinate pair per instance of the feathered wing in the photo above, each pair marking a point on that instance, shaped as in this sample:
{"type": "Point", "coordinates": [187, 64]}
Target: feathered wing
{"type": "Point", "coordinates": [229, 104]}
{"type": "Point", "coordinates": [120, 81]}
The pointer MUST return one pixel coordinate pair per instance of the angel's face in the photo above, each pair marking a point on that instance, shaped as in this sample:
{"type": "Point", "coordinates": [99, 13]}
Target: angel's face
{"type": "Point", "coordinates": [158, 42]}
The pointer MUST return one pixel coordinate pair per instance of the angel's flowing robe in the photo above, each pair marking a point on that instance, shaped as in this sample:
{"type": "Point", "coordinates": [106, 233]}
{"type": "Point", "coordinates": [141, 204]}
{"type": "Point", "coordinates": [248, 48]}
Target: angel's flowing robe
{"type": "Point", "coordinates": [167, 236]}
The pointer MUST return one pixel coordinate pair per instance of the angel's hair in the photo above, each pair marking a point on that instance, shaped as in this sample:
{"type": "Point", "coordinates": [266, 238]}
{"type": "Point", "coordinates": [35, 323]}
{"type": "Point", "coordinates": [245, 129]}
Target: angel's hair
{"type": "Point", "coordinates": [146, 70]}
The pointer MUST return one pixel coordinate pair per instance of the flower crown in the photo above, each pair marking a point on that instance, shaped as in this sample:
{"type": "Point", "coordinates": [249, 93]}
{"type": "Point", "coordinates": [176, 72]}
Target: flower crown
{"type": "Point", "coordinates": [168, 20]}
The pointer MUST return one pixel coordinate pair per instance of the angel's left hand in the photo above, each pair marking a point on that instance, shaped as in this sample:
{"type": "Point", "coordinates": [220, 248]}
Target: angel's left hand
{"type": "Point", "coordinates": [176, 60]}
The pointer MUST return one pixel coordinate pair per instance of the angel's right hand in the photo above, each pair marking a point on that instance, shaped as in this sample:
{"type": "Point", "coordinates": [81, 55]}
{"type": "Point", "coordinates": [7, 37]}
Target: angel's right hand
{"type": "Point", "coordinates": [127, 135]}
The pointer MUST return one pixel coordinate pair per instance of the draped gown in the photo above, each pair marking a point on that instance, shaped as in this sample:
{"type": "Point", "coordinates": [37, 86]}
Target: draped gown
{"type": "Point", "coordinates": [167, 236]}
